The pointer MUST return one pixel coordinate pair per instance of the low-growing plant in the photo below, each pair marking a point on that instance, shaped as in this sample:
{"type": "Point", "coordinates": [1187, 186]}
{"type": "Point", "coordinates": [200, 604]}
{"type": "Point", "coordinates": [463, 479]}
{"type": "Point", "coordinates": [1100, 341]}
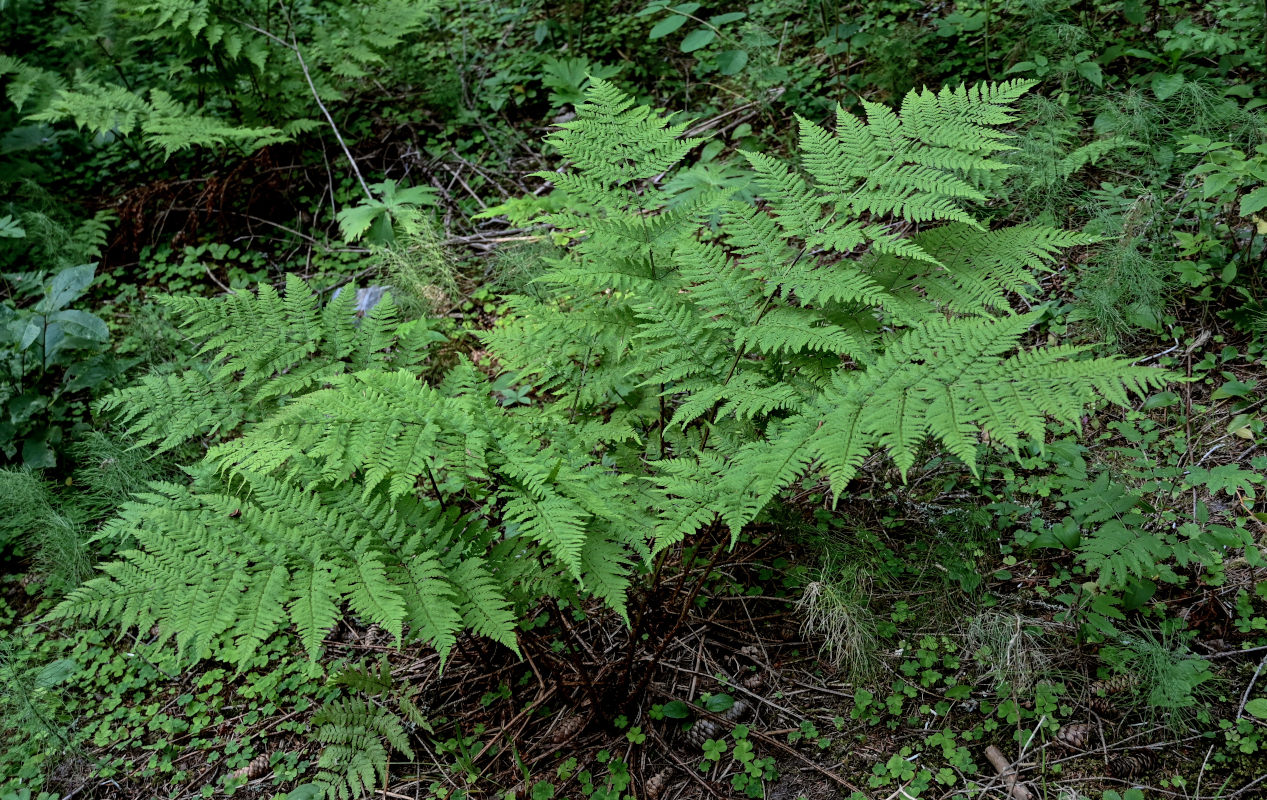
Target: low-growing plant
{"type": "Point", "coordinates": [49, 352]}
{"type": "Point", "coordinates": [835, 608]}
{"type": "Point", "coordinates": [1173, 682]}
{"type": "Point", "coordinates": [686, 378]}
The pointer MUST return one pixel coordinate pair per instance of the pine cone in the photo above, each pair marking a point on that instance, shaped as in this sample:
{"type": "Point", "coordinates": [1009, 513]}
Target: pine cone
{"type": "Point", "coordinates": [569, 727]}
{"type": "Point", "coordinates": [1076, 736]}
{"type": "Point", "coordinates": [1103, 707]}
{"type": "Point", "coordinates": [253, 770]}
{"type": "Point", "coordinates": [655, 787]}
{"type": "Point", "coordinates": [702, 731]}
{"type": "Point", "coordinates": [1133, 764]}
{"type": "Point", "coordinates": [1122, 682]}
{"type": "Point", "coordinates": [1102, 692]}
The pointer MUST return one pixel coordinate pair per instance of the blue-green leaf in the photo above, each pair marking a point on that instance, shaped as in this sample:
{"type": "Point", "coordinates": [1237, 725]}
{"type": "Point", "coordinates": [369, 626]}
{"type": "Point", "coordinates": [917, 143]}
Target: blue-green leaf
{"type": "Point", "coordinates": [66, 287]}
{"type": "Point", "coordinates": [1166, 85]}
{"type": "Point", "coordinates": [83, 325]}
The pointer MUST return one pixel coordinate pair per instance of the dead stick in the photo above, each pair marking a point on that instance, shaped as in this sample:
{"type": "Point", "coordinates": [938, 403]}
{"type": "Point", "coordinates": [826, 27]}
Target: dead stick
{"type": "Point", "coordinates": [1004, 768]}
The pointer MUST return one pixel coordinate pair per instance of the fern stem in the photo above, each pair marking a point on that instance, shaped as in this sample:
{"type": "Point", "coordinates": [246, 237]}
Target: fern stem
{"type": "Point", "coordinates": [640, 613]}
{"type": "Point", "coordinates": [739, 351]}
{"type": "Point", "coordinates": [576, 396]}
{"type": "Point", "coordinates": [435, 487]}
{"type": "Point", "coordinates": [989, 12]}
{"type": "Point", "coordinates": [649, 668]}
{"type": "Point", "coordinates": [580, 666]}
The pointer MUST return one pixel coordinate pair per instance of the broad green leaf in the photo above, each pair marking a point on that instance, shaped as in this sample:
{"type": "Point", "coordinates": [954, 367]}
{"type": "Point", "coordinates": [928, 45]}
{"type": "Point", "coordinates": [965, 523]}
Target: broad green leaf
{"type": "Point", "coordinates": [653, 7]}
{"type": "Point", "coordinates": [1160, 400]}
{"type": "Point", "coordinates": [34, 327]}
{"type": "Point", "coordinates": [36, 452]}
{"type": "Point", "coordinates": [381, 231]}
{"type": "Point", "coordinates": [1166, 85]}
{"type": "Point", "coordinates": [722, 19]}
{"type": "Point", "coordinates": [1091, 71]}
{"type": "Point", "coordinates": [666, 26]}
{"type": "Point", "coordinates": [1137, 594]}
{"type": "Point", "coordinates": [57, 672]}
{"type": "Point", "coordinates": [732, 62]}
{"type": "Point", "coordinates": [1216, 182]}
{"type": "Point", "coordinates": [676, 709]}
{"type": "Point", "coordinates": [696, 39]}
{"type": "Point", "coordinates": [83, 325]}
{"type": "Point", "coordinates": [1254, 202]}
{"type": "Point", "coordinates": [719, 703]}
{"type": "Point", "coordinates": [1257, 707]}
{"type": "Point", "coordinates": [53, 338]}
{"type": "Point", "coordinates": [66, 287]}
{"type": "Point", "coordinates": [1233, 388]}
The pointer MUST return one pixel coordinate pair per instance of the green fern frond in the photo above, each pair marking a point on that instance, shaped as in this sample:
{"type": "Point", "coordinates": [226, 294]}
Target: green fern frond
{"type": "Point", "coordinates": [615, 141]}
{"type": "Point", "coordinates": [358, 737]}
{"type": "Point", "coordinates": [264, 349]}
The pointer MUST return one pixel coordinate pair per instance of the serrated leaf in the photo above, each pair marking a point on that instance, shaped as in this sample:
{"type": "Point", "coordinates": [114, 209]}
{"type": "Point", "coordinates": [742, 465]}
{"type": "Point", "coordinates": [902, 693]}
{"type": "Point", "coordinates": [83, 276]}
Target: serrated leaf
{"type": "Point", "coordinates": [1091, 71]}
{"type": "Point", "coordinates": [356, 220]}
{"type": "Point", "coordinates": [10, 228]}
{"type": "Point", "coordinates": [1254, 202]}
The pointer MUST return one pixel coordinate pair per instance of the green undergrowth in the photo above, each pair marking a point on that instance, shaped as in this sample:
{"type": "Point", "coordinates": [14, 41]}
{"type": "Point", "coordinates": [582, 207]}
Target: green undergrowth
{"type": "Point", "coordinates": [387, 387]}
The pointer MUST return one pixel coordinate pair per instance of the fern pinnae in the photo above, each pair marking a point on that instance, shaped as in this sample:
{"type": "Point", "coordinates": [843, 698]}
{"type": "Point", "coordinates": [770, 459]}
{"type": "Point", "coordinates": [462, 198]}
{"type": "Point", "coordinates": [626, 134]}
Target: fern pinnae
{"type": "Point", "coordinates": [677, 377]}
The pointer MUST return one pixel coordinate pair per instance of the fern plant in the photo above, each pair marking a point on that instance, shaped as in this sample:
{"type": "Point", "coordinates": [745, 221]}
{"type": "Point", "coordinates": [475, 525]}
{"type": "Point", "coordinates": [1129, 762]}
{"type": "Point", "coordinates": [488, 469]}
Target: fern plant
{"type": "Point", "coordinates": [358, 734]}
{"type": "Point", "coordinates": [859, 307]}
{"type": "Point", "coordinates": [1135, 528]}
{"type": "Point", "coordinates": [358, 737]}
{"type": "Point", "coordinates": [688, 378]}
{"type": "Point", "coordinates": [362, 490]}
{"type": "Point", "coordinates": [267, 348]}
{"type": "Point", "coordinates": [256, 80]}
